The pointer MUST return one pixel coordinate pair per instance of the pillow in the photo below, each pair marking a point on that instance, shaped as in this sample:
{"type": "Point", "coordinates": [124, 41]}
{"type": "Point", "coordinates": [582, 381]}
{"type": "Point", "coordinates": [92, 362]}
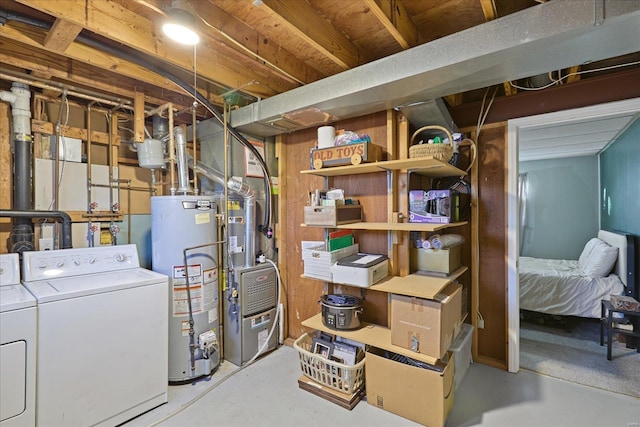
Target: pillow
{"type": "Point", "coordinates": [599, 258]}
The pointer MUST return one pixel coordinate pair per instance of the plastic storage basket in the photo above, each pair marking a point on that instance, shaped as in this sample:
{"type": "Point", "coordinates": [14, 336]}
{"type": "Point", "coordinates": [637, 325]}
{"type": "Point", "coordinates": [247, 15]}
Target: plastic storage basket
{"type": "Point", "coordinates": [338, 376]}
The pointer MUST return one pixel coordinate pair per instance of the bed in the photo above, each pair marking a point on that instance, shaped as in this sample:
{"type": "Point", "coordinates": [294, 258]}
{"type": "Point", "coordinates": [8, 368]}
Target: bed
{"type": "Point", "coordinates": [575, 287]}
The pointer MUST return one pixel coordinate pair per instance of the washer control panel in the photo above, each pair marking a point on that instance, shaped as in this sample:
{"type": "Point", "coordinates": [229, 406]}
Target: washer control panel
{"type": "Point", "coordinates": [42, 265]}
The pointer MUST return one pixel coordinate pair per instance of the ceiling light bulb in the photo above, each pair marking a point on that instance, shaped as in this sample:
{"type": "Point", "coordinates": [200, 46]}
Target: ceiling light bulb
{"type": "Point", "coordinates": [178, 27]}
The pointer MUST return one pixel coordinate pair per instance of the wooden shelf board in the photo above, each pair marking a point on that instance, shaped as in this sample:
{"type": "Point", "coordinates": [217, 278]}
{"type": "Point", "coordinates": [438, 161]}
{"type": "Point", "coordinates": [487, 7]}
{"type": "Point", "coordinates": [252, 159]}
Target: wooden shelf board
{"type": "Point", "coordinates": [374, 335]}
{"type": "Point", "coordinates": [427, 166]}
{"type": "Point", "coordinates": [391, 226]}
{"type": "Point", "coordinates": [416, 285]}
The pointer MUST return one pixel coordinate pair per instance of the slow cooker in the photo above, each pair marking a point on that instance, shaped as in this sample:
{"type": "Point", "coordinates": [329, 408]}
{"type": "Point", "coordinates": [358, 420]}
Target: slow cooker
{"type": "Point", "coordinates": [341, 312]}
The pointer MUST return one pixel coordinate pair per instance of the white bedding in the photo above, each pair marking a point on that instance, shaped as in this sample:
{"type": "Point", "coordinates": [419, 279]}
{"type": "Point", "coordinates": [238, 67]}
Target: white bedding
{"type": "Point", "coordinates": [558, 287]}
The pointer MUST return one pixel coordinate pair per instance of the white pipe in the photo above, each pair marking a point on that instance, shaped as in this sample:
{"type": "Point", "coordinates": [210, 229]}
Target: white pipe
{"type": "Point", "coordinates": [20, 98]}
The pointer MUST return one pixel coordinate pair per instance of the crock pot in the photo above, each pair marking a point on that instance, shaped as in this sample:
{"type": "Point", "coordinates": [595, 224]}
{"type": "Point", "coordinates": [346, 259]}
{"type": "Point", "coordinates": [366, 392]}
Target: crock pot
{"type": "Point", "coordinates": [341, 312]}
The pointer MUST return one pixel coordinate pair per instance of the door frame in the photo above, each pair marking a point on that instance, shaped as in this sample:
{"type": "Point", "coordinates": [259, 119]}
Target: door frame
{"type": "Point", "coordinates": [514, 127]}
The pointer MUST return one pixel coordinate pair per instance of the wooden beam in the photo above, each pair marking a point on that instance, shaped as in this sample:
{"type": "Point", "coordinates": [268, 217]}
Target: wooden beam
{"type": "Point", "coordinates": [112, 20]}
{"type": "Point", "coordinates": [393, 16]}
{"type": "Point", "coordinates": [22, 47]}
{"type": "Point", "coordinates": [6, 183]}
{"type": "Point", "coordinates": [48, 128]}
{"type": "Point", "coordinates": [300, 18]}
{"type": "Point", "coordinates": [138, 117]}
{"type": "Point", "coordinates": [247, 41]}
{"type": "Point", "coordinates": [61, 35]}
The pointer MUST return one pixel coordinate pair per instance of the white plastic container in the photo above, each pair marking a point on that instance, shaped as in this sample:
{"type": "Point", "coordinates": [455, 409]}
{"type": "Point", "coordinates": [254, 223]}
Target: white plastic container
{"type": "Point", "coordinates": [461, 350]}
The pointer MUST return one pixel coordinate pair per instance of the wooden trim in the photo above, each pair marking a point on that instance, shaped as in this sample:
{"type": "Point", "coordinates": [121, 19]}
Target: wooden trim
{"type": "Point", "coordinates": [281, 229]}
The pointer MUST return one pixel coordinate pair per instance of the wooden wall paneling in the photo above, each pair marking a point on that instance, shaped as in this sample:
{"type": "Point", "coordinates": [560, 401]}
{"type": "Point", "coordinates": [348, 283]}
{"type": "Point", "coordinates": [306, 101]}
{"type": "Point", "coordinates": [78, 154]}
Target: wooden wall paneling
{"type": "Point", "coordinates": [6, 182]}
{"type": "Point", "coordinates": [492, 240]}
{"type": "Point", "coordinates": [371, 189]}
{"type": "Point", "coordinates": [302, 294]}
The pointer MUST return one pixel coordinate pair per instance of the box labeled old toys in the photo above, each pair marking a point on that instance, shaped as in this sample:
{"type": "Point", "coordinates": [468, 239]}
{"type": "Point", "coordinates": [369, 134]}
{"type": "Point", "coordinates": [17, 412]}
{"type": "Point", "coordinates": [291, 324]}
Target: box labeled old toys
{"type": "Point", "coordinates": [427, 326]}
{"type": "Point", "coordinates": [437, 260]}
{"type": "Point", "coordinates": [416, 391]}
{"type": "Point", "coordinates": [348, 154]}
{"type": "Point", "coordinates": [332, 215]}
{"type": "Point", "coordinates": [434, 206]}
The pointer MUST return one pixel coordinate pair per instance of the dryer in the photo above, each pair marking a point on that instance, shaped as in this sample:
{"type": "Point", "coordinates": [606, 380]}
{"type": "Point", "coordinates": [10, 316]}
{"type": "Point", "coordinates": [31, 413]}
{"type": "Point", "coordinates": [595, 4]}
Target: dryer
{"type": "Point", "coordinates": [17, 347]}
{"type": "Point", "coordinates": [102, 335]}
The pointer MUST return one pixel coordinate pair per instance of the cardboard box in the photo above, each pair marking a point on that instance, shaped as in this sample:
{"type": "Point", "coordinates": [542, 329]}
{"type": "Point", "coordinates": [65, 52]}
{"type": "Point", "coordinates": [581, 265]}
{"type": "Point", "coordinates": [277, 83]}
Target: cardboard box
{"type": "Point", "coordinates": [418, 394]}
{"type": "Point", "coordinates": [427, 326]}
{"type": "Point", "coordinates": [438, 260]}
{"type": "Point", "coordinates": [332, 215]}
{"type": "Point", "coordinates": [434, 206]}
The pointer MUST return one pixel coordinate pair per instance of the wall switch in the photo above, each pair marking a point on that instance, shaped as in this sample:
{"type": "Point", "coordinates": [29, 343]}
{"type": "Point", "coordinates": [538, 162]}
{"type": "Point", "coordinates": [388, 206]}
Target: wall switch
{"type": "Point", "coordinates": [45, 244]}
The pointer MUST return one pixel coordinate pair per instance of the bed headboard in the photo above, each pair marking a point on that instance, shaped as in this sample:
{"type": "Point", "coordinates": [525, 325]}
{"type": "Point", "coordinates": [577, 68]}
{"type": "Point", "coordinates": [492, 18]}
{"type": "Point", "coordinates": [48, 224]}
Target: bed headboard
{"type": "Point", "coordinates": [625, 266]}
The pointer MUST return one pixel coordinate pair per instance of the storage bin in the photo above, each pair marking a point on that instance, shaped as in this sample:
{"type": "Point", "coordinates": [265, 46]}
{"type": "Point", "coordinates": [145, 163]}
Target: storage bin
{"type": "Point", "coordinates": [347, 379]}
{"type": "Point", "coordinates": [318, 261]}
{"type": "Point", "coordinates": [461, 351]}
{"type": "Point", "coordinates": [332, 215]}
{"type": "Point", "coordinates": [438, 260]}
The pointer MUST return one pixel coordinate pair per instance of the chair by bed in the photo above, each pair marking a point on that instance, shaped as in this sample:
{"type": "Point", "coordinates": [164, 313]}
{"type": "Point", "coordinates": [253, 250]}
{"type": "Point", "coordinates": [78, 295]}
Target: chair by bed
{"type": "Point", "coordinates": [576, 287]}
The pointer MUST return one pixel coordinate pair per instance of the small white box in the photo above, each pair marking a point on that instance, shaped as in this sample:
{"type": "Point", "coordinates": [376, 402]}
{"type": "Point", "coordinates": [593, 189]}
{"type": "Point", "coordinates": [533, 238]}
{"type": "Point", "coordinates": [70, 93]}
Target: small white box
{"type": "Point", "coordinates": [461, 351]}
{"type": "Point", "coordinates": [358, 270]}
{"type": "Point", "coordinates": [70, 149]}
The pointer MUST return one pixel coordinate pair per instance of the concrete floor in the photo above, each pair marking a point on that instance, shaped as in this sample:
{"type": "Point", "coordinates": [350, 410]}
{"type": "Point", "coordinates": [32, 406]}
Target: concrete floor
{"type": "Point", "coordinates": [266, 393]}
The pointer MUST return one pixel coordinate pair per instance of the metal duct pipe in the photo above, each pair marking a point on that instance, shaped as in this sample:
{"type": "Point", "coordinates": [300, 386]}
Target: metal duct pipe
{"type": "Point", "coordinates": [55, 215]}
{"type": "Point", "coordinates": [181, 152]}
{"type": "Point", "coordinates": [249, 197]}
{"type": "Point", "coordinates": [20, 99]}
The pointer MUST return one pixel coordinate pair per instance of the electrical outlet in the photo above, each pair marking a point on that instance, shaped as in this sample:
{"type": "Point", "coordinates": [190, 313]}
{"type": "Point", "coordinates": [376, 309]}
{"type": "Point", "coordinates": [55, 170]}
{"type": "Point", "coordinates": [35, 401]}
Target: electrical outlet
{"type": "Point", "coordinates": [45, 244]}
{"type": "Point", "coordinates": [480, 323]}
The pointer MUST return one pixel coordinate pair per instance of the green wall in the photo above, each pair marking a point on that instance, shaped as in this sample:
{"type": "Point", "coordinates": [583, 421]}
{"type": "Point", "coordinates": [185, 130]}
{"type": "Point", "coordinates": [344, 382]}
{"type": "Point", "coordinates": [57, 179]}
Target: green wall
{"type": "Point", "coordinates": [620, 182]}
{"type": "Point", "coordinates": [562, 206]}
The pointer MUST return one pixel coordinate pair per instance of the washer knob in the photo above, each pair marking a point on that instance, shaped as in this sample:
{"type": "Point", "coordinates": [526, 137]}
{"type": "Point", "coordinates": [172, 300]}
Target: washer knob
{"type": "Point", "coordinates": [120, 257]}
{"type": "Point", "coordinates": [92, 260]}
{"type": "Point", "coordinates": [60, 264]}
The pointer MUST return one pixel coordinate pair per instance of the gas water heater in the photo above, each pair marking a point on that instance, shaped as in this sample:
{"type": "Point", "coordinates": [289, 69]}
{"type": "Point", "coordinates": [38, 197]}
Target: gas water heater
{"type": "Point", "coordinates": [184, 247]}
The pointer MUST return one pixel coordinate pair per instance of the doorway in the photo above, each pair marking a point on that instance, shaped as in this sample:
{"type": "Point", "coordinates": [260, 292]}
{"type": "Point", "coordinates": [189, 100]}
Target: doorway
{"type": "Point", "coordinates": [516, 128]}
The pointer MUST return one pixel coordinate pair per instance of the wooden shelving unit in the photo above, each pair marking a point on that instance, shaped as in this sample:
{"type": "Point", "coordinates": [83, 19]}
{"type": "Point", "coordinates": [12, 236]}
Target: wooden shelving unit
{"type": "Point", "coordinates": [414, 285]}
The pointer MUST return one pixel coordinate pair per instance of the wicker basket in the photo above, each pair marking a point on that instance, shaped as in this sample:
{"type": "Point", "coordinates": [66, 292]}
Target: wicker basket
{"type": "Point", "coordinates": [442, 152]}
{"type": "Point", "coordinates": [343, 378]}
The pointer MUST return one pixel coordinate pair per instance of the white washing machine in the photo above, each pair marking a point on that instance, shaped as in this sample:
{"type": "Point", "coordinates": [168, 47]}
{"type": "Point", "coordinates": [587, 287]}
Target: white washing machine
{"type": "Point", "coordinates": [102, 335]}
{"type": "Point", "coordinates": [17, 347]}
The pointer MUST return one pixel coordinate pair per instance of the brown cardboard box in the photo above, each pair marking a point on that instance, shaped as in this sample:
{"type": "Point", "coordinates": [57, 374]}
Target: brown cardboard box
{"type": "Point", "coordinates": [418, 394]}
{"type": "Point", "coordinates": [427, 326]}
{"type": "Point", "coordinates": [438, 260]}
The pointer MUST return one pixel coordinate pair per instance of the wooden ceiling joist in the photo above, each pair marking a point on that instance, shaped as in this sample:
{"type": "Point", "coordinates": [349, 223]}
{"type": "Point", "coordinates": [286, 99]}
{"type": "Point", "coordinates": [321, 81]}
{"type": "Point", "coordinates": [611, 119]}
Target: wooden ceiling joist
{"type": "Point", "coordinates": [302, 20]}
{"type": "Point", "coordinates": [61, 35]}
{"type": "Point", "coordinates": [110, 20]}
{"type": "Point", "coordinates": [395, 18]}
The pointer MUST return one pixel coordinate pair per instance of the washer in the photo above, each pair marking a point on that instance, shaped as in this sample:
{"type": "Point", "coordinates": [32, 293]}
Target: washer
{"type": "Point", "coordinates": [17, 347]}
{"type": "Point", "coordinates": [102, 335]}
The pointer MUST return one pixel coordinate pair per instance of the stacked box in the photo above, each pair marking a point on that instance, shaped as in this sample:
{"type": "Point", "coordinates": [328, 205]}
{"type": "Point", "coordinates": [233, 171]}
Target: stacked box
{"type": "Point", "coordinates": [427, 326]}
{"type": "Point", "coordinates": [461, 352]}
{"type": "Point", "coordinates": [318, 261]}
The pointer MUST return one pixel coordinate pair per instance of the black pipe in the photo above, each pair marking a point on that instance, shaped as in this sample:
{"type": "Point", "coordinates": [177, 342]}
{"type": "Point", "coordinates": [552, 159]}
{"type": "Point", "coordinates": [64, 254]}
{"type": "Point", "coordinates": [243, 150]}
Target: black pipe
{"type": "Point", "coordinates": [265, 228]}
{"type": "Point", "coordinates": [22, 232]}
{"type": "Point", "coordinates": [59, 216]}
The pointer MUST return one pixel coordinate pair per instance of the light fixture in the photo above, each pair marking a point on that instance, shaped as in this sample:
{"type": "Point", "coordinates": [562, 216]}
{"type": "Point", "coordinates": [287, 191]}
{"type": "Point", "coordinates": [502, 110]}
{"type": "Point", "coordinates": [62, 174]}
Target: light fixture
{"type": "Point", "coordinates": [178, 26]}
